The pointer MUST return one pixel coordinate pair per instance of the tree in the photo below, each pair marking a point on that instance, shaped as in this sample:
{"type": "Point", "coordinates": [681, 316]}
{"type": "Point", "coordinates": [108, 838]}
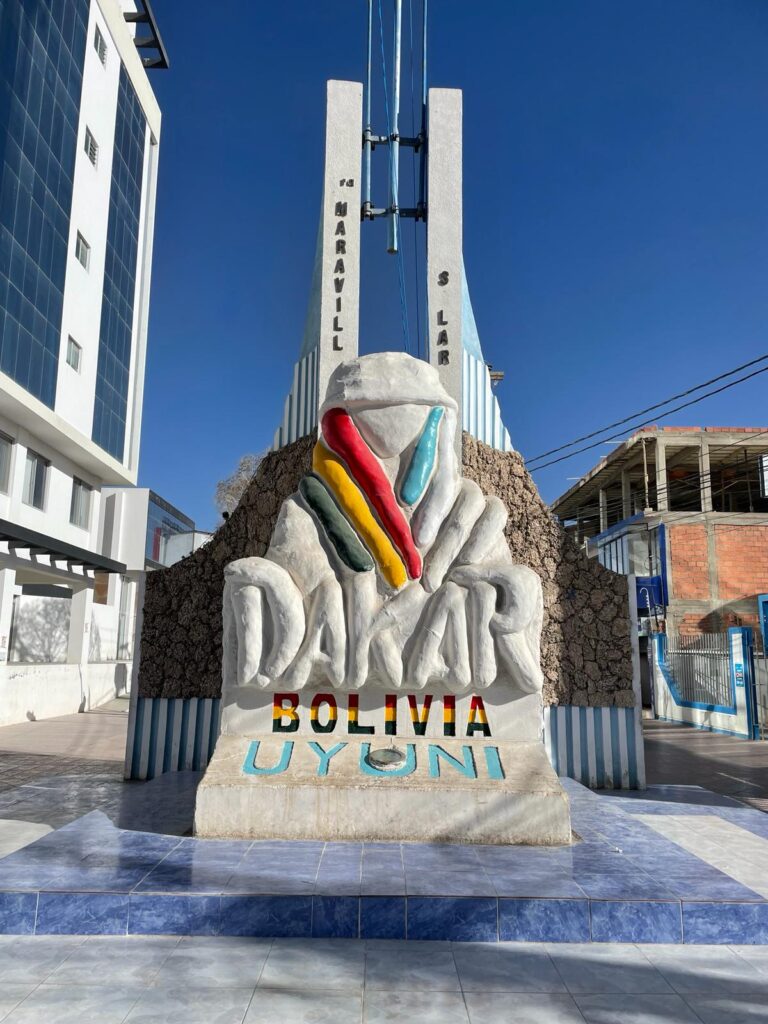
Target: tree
{"type": "Point", "coordinates": [230, 490]}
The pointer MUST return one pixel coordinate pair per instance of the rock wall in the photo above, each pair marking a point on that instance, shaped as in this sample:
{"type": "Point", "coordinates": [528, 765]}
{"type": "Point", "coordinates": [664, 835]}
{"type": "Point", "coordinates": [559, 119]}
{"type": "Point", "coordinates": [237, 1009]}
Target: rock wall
{"type": "Point", "coordinates": [586, 654]}
{"type": "Point", "coordinates": [585, 645]}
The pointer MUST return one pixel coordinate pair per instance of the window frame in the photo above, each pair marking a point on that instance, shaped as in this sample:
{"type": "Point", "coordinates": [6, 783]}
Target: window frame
{"type": "Point", "coordinates": [91, 146]}
{"type": "Point", "coordinates": [5, 484]}
{"type": "Point", "coordinates": [72, 345]}
{"type": "Point", "coordinates": [40, 460]}
{"type": "Point", "coordinates": [81, 245]}
{"type": "Point", "coordinates": [100, 45]}
{"type": "Point", "coordinates": [79, 487]}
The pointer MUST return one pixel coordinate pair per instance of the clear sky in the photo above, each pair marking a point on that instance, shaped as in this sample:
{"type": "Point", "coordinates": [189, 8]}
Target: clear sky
{"type": "Point", "coordinates": [615, 214]}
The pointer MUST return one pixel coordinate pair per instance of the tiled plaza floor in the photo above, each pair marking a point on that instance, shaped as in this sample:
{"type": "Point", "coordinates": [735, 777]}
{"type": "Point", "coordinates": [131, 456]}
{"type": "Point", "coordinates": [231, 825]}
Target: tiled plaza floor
{"type": "Point", "coordinates": [45, 980]}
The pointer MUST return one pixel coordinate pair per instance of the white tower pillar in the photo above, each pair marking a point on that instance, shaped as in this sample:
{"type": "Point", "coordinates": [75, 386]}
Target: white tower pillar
{"type": "Point", "coordinates": [444, 240]}
{"type": "Point", "coordinates": [339, 253]}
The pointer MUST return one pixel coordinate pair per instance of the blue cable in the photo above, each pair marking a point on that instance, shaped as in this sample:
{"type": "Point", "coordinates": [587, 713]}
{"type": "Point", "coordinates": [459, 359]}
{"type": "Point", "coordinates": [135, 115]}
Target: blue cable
{"type": "Point", "coordinates": [400, 267]}
{"type": "Point", "coordinates": [415, 194]}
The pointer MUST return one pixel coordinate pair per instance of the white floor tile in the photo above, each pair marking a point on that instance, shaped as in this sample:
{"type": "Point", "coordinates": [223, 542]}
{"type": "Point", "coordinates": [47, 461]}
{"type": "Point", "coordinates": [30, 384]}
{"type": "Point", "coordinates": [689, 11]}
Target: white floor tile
{"type": "Point", "coordinates": [522, 1008]}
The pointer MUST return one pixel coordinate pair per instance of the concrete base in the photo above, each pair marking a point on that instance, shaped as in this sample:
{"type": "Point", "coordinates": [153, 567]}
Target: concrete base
{"type": "Point", "coordinates": [498, 793]}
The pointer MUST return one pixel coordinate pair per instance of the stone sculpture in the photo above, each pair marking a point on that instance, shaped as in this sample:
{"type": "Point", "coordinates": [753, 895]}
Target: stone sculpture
{"type": "Point", "coordinates": [386, 569]}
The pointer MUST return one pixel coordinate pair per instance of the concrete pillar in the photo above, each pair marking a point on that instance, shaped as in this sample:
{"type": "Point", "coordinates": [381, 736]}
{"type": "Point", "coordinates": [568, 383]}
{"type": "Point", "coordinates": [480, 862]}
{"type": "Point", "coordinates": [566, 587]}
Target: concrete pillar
{"type": "Point", "coordinates": [444, 241]}
{"type": "Point", "coordinates": [7, 584]}
{"type": "Point", "coordinates": [603, 510]}
{"type": "Point", "coordinates": [626, 495]}
{"type": "Point", "coordinates": [80, 626]}
{"type": "Point", "coordinates": [705, 480]}
{"type": "Point", "coordinates": [337, 273]}
{"type": "Point", "coordinates": [662, 491]}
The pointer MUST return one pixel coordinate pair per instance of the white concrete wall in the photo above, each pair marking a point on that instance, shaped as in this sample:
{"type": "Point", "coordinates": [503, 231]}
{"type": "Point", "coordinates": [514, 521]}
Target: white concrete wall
{"type": "Point", "coordinates": [124, 525]}
{"type": "Point", "coordinates": [29, 692]}
{"type": "Point", "coordinates": [53, 518]}
{"type": "Point", "coordinates": [81, 315]}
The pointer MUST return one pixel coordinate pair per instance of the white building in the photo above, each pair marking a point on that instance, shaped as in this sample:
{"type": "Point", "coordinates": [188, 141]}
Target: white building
{"type": "Point", "coordinates": [79, 143]}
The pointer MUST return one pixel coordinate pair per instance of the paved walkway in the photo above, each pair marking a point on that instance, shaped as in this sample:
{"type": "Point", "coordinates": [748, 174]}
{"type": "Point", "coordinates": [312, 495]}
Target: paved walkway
{"type": "Point", "coordinates": [681, 756]}
{"type": "Point", "coordinates": [255, 981]}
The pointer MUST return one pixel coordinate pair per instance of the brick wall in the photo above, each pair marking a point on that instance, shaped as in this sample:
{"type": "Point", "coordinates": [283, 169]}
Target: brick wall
{"type": "Point", "coordinates": [689, 562]}
{"type": "Point", "coordinates": [742, 561]}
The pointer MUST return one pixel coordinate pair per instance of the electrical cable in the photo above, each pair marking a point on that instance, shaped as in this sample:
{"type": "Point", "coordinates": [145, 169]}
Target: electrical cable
{"type": "Point", "coordinates": [642, 412]}
{"type": "Point", "coordinates": [400, 267]}
{"type": "Point", "coordinates": [415, 194]}
{"type": "Point", "coordinates": [645, 423]}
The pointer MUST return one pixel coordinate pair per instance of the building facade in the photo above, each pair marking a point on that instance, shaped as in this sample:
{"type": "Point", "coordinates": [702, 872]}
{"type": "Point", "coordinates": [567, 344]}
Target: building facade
{"type": "Point", "coordinates": [685, 511]}
{"type": "Point", "coordinates": [79, 149]}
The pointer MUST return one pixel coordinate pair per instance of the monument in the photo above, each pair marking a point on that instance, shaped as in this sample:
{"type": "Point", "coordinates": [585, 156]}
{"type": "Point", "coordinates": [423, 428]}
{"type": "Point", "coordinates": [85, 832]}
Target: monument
{"type": "Point", "coordinates": [381, 673]}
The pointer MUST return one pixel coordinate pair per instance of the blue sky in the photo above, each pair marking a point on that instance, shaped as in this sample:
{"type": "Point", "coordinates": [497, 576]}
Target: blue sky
{"type": "Point", "coordinates": [615, 214]}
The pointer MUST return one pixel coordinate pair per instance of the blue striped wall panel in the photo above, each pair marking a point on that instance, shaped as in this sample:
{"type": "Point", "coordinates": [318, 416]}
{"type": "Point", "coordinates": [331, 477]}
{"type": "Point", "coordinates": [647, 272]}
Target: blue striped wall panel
{"type": "Point", "coordinates": [599, 747]}
{"type": "Point", "coordinates": [480, 412]}
{"type": "Point", "coordinates": [300, 413]}
{"type": "Point", "coordinates": [171, 735]}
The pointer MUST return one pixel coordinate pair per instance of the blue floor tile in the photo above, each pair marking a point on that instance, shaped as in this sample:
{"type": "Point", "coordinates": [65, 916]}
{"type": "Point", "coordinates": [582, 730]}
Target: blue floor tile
{"type": "Point", "coordinates": [725, 923]}
{"type": "Point", "coordinates": [459, 919]}
{"type": "Point", "coordinates": [542, 920]}
{"type": "Point", "coordinates": [17, 913]}
{"type": "Point", "coordinates": [382, 917]}
{"type": "Point", "coordinates": [60, 913]}
{"type": "Point", "coordinates": [636, 921]}
{"type": "Point", "coordinates": [173, 915]}
{"type": "Point", "coordinates": [266, 916]}
{"type": "Point", "coordinates": [335, 917]}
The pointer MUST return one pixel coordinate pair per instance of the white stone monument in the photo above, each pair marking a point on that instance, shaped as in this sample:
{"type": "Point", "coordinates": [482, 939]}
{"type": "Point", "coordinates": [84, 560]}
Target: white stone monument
{"type": "Point", "coordinates": [381, 675]}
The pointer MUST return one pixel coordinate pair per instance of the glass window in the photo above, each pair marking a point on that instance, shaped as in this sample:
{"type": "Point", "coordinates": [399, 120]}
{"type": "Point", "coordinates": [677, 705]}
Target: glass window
{"type": "Point", "coordinates": [163, 527]}
{"type": "Point", "coordinates": [6, 450]}
{"type": "Point", "coordinates": [35, 474]}
{"type": "Point", "coordinates": [100, 45]}
{"type": "Point", "coordinates": [42, 52]}
{"type": "Point", "coordinates": [73, 354]}
{"type": "Point", "coordinates": [82, 250]}
{"type": "Point", "coordinates": [121, 260]}
{"type": "Point", "coordinates": [91, 146]}
{"type": "Point", "coordinates": [80, 507]}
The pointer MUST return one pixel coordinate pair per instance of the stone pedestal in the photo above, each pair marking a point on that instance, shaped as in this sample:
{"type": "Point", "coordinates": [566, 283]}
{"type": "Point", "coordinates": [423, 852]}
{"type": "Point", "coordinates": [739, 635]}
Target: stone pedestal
{"type": "Point", "coordinates": [451, 791]}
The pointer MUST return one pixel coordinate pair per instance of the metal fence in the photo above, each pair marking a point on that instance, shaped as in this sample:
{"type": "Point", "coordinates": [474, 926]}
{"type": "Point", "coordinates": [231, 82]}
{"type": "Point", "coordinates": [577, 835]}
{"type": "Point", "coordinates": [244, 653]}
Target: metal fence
{"type": "Point", "coordinates": [700, 667]}
{"type": "Point", "coordinates": [761, 692]}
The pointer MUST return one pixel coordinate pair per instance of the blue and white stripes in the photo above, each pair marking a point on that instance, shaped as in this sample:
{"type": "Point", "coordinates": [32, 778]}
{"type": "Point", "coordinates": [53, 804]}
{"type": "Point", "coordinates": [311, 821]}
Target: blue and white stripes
{"type": "Point", "coordinates": [600, 747]}
{"type": "Point", "coordinates": [480, 412]}
{"type": "Point", "coordinates": [170, 735]}
{"type": "Point", "coordinates": [300, 415]}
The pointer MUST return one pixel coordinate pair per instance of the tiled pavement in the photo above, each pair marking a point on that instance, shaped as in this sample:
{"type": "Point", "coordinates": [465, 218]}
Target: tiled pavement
{"type": "Point", "coordinates": [626, 879]}
{"type": "Point", "coordinates": [290, 981]}
{"type": "Point", "coordinates": [680, 755]}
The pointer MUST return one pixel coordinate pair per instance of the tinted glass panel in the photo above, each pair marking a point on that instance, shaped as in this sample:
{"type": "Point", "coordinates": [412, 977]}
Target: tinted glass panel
{"type": "Point", "coordinates": [162, 525]}
{"type": "Point", "coordinates": [6, 448]}
{"type": "Point", "coordinates": [42, 48]}
{"type": "Point", "coordinates": [109, 414]}
{"type": "Point", "coordinates": [80, 506]}
{"type": "Point", "coordinates": [34, 480]}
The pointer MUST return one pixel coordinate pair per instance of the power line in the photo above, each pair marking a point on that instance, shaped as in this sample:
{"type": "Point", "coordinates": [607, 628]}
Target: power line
{"type": "Point", "coordinates": [645, 423]}
{"type": "Point", "coordinates": [642, 412]}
